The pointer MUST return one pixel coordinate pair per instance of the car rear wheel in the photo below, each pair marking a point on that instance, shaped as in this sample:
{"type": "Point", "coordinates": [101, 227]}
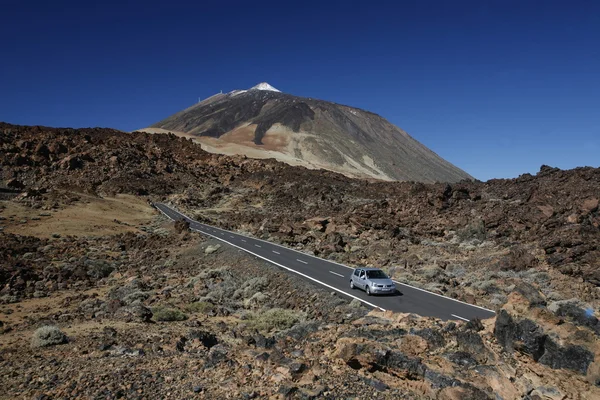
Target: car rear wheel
{"type": "Point", "coordinates": [368, 291]}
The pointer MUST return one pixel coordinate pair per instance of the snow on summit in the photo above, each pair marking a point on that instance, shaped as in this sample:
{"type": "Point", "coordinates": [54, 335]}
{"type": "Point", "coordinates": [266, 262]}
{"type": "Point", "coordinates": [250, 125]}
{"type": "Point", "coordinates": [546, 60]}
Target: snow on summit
{"type": "Point", "coordinates": [265, 86]}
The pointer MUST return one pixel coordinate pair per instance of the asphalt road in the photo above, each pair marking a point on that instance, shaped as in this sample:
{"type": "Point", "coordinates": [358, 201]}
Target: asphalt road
{"type": "Point", "coordinates": [337, 276]}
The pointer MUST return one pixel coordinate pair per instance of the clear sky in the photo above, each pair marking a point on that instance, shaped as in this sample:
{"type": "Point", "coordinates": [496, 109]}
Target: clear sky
{"type": "Point", "coordinates": [497, 87]}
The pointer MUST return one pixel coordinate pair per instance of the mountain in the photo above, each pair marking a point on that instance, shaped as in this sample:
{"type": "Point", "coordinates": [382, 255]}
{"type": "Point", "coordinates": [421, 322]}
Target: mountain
{"type": "Point", "coordinates": [263, 122]}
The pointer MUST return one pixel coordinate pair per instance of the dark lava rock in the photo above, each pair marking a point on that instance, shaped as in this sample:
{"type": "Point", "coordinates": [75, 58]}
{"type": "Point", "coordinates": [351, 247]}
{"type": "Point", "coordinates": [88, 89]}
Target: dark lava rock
{"type": "Point", "coordinates": [262, 341]}
{"type": "Point", "coordinates": [105, 346]}
{"type": "Point", "coordinates": [297, 368]}
{"type": "Point", "coordinates": [277, 357]}
{"type": "Point", "coordinates": [572, 357]}
{"type": "Point", "coordinates": [287, 390]}
{"type": "Point", "coordinates": [197, 389]}
{"type": "Point", "coordinates": [579, 316]}
{"type": "Point", "coordinates": [525, 336]}
{"type": "Point", "coordinates": [505, 330]}
{"type": "Point", "coordinates": [471, 342]}
{"type": "Point", "coordinates": [354, 364]}
{"type": "Point", "coordinates": [463, 359]}
{"type": "Point", "coordinates": [531, 338]}
{"type": "Point", "coordinates": [376, 384]}
{"type": "Point", "coordinates": [180, 345]}
{"type": "Point", "coordinates": [439, 381]}
{"type": "Point", "coordinates": [298, 353]}
{"type": "Point", "coordinates": [207, 339]}
{"type": "Point", "coordinates": [182, 225]}
{"type": "Point", "coordinates": [474, 393]}
{"type": "Point", "coordinates": [474, 325]}
{"type": "Point", "coordinates": [302, 330]}
{"type": "Point", "coordinates": [15, 184]}
{"type": "Point", "coordinates": [433, 337]}
{"type": "Point", "coordinates": [412, 367]}
{"type": "Point", "coordinates": [533, 296]}
{"type": "Point", "coordinates": [528, 337]}
{"type": "Point", "coordinates": [450, 326]}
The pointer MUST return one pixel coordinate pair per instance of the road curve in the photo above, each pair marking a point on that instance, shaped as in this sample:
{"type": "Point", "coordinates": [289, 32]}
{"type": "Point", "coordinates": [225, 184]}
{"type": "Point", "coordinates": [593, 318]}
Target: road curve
{"type": "Point", "coordinates": [337, 276]}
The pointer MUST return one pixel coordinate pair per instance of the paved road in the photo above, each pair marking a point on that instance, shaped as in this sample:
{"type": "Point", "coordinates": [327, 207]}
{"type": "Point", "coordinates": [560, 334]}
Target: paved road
{"type": "Point", "coordinates": [337, 276]}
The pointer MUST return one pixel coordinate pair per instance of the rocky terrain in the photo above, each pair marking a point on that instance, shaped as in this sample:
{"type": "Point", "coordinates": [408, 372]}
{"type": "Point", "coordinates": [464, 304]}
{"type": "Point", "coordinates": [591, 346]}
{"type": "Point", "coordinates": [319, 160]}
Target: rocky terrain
{"type": "Point", "coordinates": [263, 122]}
{"type": "Point", "coordinates": [147, 309]}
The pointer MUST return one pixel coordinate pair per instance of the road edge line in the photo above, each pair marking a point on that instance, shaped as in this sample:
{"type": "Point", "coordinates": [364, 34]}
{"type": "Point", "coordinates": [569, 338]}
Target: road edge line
{"type": "Point", "coordinates": [342, 265]}
{"type": "Point", "coordinates": [292, 270]}
{"type": "Point", "coordinates": [281, 266]}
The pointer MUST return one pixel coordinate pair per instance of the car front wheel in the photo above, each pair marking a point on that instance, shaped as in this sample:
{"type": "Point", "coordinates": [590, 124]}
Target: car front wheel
{"type": "Point", "coordinates": [352, 285]}
{"type": "Point", "coordinates": [368, 291]}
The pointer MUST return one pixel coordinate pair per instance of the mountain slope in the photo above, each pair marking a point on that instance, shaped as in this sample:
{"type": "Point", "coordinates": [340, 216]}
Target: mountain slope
{"type": "Point", "coordinates": [263, 122]}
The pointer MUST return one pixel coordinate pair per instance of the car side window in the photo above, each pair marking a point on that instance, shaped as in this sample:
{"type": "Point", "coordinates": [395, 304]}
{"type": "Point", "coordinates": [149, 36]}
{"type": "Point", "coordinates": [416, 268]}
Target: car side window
{"type": "Point", "coordinates": [356, 272]}
{"type": "Point", "coordinates": [362, 274]}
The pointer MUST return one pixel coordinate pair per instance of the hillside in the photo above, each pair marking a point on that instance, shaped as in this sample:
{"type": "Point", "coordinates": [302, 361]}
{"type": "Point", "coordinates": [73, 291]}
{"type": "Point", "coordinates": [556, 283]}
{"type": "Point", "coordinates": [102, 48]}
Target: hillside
{"type": "Point", "coordinates": [263, 122]}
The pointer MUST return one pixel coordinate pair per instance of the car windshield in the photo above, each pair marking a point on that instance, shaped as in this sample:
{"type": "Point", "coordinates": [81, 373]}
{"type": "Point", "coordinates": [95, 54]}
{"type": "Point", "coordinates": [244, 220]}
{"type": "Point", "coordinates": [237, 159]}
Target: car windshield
{"type": "Point", "coordinates": [376, 274]}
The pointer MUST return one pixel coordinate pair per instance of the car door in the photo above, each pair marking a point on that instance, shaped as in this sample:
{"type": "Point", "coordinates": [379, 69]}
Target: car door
{"type": "Point", "coordinates": [362, 279]}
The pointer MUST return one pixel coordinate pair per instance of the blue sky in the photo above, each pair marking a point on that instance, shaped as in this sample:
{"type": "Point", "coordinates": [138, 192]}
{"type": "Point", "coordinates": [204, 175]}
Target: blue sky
{"type": "Point", "coordinates": [496, 87]}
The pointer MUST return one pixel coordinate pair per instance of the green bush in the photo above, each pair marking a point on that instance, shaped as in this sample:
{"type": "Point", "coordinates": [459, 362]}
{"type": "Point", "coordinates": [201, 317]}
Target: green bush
{"type": "Point", "coordinates": [167, 314]}
{"type": "Point", "coordinates": [222, 292]}
{"type": "Point", "coordinates": [474, 230]}
{"type": "Point", "coordinates": [250, 287]}
{"type": "Point", "coordinates": [202, 307]}
{"type": "Point", "coordinates": [275, 319]}
{"type": "Point", "coordinates": [256, 301]}
{"type": "Point", "coordinates": [48, 336]}
{"type": "Point", "coordinates": [135, 296]}
{"type": "Point", "coordinates": [355, 303]}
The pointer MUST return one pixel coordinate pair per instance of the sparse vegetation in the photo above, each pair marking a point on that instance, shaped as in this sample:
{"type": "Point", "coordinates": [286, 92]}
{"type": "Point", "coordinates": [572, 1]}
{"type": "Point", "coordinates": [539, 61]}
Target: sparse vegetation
{"type": "Point", "coordinates": [200, 307]}
{"type": "Point", "coordinates": [135, 296]}
{"type": "Point", "coordinates": [251, 287]}
{"type": "Point", "coordinates": [355, 303]}
{"type": "Point", "coordinates": [48, 335]}
{"type": "Point", "coordinates": [474, 230]}
{"type": "Point", "coordinates": [257, 300]}
{"type": "Point", "coordinates": [222, 292]}
{"type": "Point", "coordinates": [167, 314]}
{"type": "Point", "coordinates": [275, 319]}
